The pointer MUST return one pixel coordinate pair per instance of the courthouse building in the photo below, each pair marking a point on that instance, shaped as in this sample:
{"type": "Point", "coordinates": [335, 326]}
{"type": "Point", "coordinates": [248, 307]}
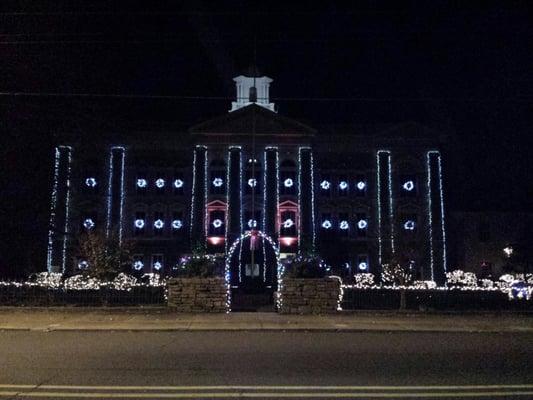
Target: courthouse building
{"type": "Point", "coordinates": [256, 185]}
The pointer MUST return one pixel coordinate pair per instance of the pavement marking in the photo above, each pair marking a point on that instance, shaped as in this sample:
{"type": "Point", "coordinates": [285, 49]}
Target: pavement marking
{"type": "Point", "coordinates": [355, 395]}
{"type": "Point", "coordinates": [266, 387]}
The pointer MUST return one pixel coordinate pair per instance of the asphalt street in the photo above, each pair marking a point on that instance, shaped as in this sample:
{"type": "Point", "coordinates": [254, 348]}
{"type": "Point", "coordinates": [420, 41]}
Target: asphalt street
{"type": "Point", "coordinates": [223, 364]}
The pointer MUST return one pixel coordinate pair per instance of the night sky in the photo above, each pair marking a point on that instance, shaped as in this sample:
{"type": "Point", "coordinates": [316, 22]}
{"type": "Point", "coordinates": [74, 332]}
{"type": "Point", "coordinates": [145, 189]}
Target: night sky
{"type": "Point", "coordinates": [463, 68]}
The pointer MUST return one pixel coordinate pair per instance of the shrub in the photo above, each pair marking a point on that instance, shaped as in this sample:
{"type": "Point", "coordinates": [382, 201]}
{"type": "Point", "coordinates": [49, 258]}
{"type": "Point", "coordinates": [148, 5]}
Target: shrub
{"type": "Point", "coordinates": [200, 266]}
{"type": "Point", "coordinates": [305, 266]}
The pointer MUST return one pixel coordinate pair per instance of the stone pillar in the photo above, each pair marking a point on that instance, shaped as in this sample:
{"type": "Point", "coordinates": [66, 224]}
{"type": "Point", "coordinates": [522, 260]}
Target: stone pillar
{"type": "Point", "coordinates": [270, 191]}
{"type": "Point", "coordinates": [306, 199]}
{"type": "Point", "coordinates": [58, 230]}
{"type": "Point", "coordinates": [234, 195]}
{"type": "Point", "coordinates": [198, 197]}
{"type": "Point", "coordinates": [115, 190]}
{"type": "Point", "coordinates": [385, 210]}
{"type": "Point", "coordinates": [436, 220]}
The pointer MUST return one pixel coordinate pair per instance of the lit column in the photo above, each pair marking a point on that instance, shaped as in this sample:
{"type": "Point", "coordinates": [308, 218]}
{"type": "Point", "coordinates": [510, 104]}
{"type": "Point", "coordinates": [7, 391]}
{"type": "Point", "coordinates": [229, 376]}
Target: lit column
{"type": "Point", "coordinates": [115, 190]}
{"type": "Point", "coordinates": [385, 211]}
{"type": "Point", "coordinates": [306, 199]}
{"type": "Point", "coordinates": [234, 195]}
{"type": "Point", "coordinates": [58, 229]}
{"type": "Point", "coordinates": [270, 191]}
{"type": "Point", "coordinates": [199, 197]}
{"type": "Point", "coordinates": [436, 217]}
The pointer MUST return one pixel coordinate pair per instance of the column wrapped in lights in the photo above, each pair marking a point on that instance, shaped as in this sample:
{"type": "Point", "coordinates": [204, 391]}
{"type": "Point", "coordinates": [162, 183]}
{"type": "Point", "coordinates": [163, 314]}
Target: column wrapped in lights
{"type": "Point", "coordinates": [436, 217]}
{"type": "Point", "coordinates": [115, 189]}
{"type": "Point", "coordinates": [59, 211]}
{"type": "Point", "coordinates": [306, 199]}
{"type": "Point", "coordinates": [234, 195]}
{"type": "Point", "coordinates": [198, 197]}
{"type": "Point", "coordinates": [271, 191]}
{"type": "Point", "coordinates": [385, 210]}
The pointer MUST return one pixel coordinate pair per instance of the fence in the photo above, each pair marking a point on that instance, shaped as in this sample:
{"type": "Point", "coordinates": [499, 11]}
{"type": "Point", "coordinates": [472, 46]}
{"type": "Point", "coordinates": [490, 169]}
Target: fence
{"type": "Point", "coordinates": [439, 300]}
{"type": "Point", "coordinates": [40, 296]}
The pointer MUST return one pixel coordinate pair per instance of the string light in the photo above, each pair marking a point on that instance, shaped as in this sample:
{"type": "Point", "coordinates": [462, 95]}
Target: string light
{"type": "Point", "coordinates": [53, 204]}
{"type": "Point", "coordinates": [160, 183]}
{"type": "Point", "coordinates": [122, 196]}
{"type": "Point", "coordinates": [159, 224]}
{"type": "Point", "coordinates": [379, 201]}
{"type": "Point", "coordinates": [141, 183]}
{"type": "Point", "coordinates": [178, 183]}
{"type": "Point", "coordinates": [67, 208]}
{"type": "Point", "coordinates": [344, 225]}
{"type": "Point", "coordinates": [90, 182]}
{"type": "Point", "coordinates": [325, 184]}
{"type": "Point", "coordinates": [177, 224]}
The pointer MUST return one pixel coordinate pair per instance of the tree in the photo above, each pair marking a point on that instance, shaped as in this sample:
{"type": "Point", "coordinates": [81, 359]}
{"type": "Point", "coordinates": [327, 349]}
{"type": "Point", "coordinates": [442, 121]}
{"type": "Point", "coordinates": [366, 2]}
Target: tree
{"type": "Point", "coordinates": [398, 271]}
{"type": "Point", "coordinates": [106, 256]}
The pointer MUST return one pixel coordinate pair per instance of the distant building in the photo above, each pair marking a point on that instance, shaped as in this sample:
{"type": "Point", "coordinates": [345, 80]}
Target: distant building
{"type": "Point", "coordinates": [353, 193]}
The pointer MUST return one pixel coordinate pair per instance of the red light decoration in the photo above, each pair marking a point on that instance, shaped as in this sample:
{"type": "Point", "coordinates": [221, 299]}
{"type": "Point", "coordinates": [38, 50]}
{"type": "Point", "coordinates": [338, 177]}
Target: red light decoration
{"type": "Point", "coordinates": [287, 240]}
{"type": "Point", "coordinates": [215, 240]}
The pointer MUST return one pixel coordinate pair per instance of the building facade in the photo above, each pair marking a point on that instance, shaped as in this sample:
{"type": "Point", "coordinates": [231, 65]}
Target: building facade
{"type": "Point", "coordinates": [257, 186]}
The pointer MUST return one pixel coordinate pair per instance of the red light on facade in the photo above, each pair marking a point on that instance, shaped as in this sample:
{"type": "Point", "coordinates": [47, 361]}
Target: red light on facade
{"type": "Point", "coordinates": [215, 240]}
{"type": "Point", "coordinates": [287, 241]}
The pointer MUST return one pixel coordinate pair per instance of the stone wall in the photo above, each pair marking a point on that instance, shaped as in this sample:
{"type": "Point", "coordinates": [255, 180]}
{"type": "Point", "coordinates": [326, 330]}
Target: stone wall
{"type": "Point", "coordinates": [309, 296]}
{"type": "Point", "coordinates": [197, 294]}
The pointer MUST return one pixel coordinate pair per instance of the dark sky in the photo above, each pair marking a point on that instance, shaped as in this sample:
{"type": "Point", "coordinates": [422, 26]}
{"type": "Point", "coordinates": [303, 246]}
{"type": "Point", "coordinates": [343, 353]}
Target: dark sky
{"type": "Point", "coordinates": [460, 67]}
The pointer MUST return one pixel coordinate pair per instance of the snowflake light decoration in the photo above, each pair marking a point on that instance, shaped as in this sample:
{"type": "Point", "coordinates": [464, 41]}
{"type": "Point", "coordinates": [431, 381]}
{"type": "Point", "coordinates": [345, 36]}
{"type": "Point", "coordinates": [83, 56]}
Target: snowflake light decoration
{"type": "Point", "coordinates": [363, 266]}
{"type": "Point", "coordinates": [158, 265]}
{"type": "Point", "coordinates": [177, 224]}
{"type": "Point", "coordinates": [408, 185]}
{"type": "Point", "coordinates": [217, 223]}
{"type": "Point", "coordinates": [362, 224]}
{"type": "Point", "coordinates": [141, 183]}
{"type": "Point", "coordinates": [325, 184]}
{"type": "Point", "coordinates": [326, 224]}
{"type": "Point", "coordinates": [218, 182]}
{"type": "Point", "coordinates": [160, 183]}
{"type": "Point", "coordinates": [83, 264]}
{"type": "Point", "coordinates": [178, 183]}
{"type": "Point", "coordinates": [409, 225]}
{"type": "Point", "coordinates": [361, 185]}
{"type": "Point", "coordinates": [159, 224]}
{"type": "Point", "coordinates": [343, 185]}
{"type": "Point", "coordinates": [138, 265]}
{"type": "Point", "coordinates": [344, 225]}
{"type": "Point", "coordinates": [252, 182]}
{"type": "Point", "coordinates": [88, 223]}
{"type": "Point", "coordinates": [91, 182]}
{"type": "Point", "coordinates": [288, 183]}
{"type": "Point", "coordinates": [252, 223]}
{"type": "Point", "coordinates": [288, 223]}
{"type": "Point", "coordinates": [139, 223]}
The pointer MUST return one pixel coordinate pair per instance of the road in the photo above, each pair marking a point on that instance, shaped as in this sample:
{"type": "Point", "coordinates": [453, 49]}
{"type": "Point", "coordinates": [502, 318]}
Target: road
{"type": "Point", "coordinates": [264, 364]}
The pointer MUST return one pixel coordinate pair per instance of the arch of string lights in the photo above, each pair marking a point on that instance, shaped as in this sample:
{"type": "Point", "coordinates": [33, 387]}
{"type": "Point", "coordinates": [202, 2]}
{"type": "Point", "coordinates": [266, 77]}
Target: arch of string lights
{"type": "Point", "coordinates": [227, 271]}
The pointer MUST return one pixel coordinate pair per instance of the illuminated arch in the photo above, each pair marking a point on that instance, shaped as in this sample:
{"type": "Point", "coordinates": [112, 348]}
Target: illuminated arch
{"type": "Point", "coordinates": [227, 272]}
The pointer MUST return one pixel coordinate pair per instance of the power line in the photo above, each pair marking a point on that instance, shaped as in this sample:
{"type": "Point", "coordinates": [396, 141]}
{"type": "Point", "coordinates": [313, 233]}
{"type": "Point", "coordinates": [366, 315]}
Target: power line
{"type": "Point", "coordinates": [227, 98]}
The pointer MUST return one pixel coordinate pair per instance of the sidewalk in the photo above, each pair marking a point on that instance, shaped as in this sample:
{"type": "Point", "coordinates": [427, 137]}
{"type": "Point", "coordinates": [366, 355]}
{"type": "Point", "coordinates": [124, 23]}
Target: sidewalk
{"type": "Point", "coordinates": [161, 319]}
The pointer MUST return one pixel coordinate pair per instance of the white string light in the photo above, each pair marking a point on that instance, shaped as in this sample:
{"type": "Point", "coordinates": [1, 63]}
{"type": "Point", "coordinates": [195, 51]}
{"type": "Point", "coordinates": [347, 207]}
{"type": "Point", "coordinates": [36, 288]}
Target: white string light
{"type": "Point", "coordinates": [67, 207]}
{"type": "Point", "coordinates": [53, 204]}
